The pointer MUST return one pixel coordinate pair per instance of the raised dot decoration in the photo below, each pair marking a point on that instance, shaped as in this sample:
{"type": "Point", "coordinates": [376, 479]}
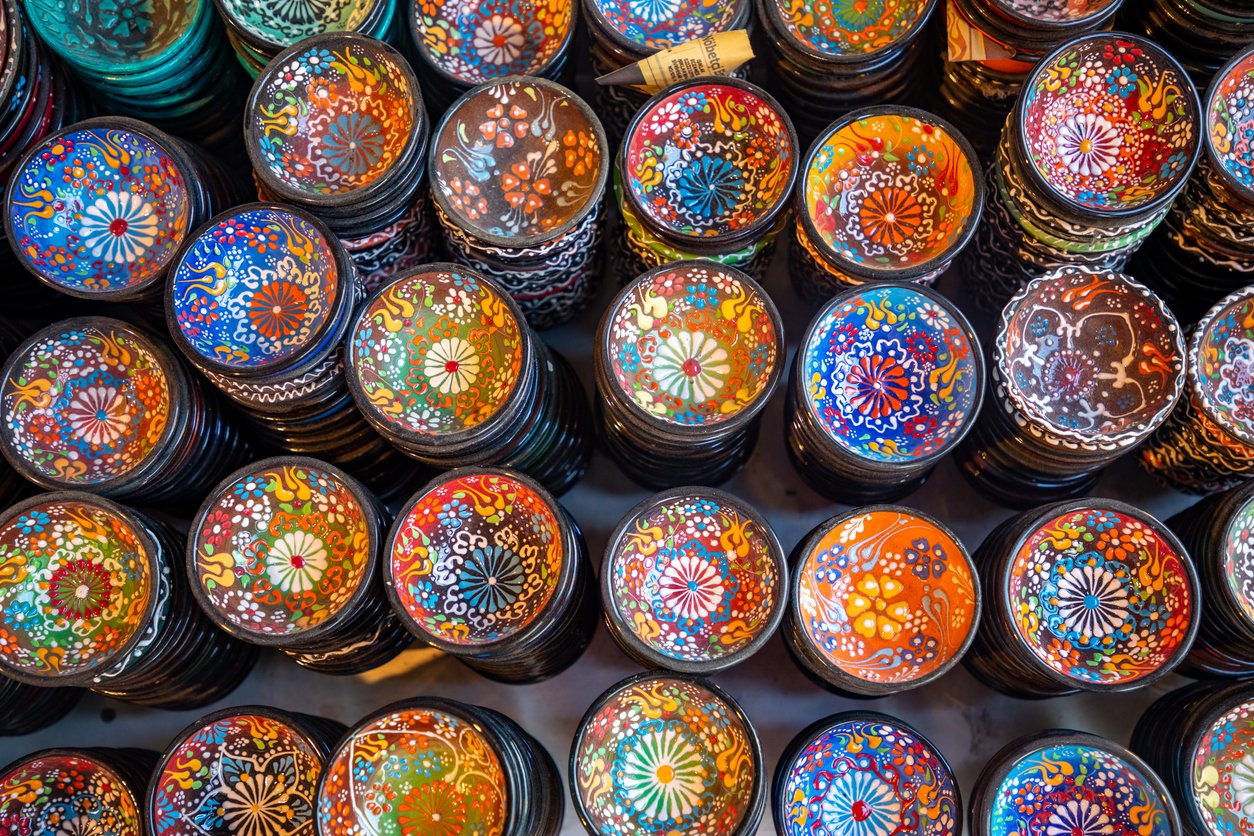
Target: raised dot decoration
{"type": "Point", "coordinates": [62, 791]}
{"type": "Point", "coordinates": [654, 25]}
{"type": "Point", "coordinates": [1221, 365]}
{"type": "Point", "coordinates": [1229, 115]}
{"type": "Point", "coordinates": [851, 28]}
{"type": "Point", "coordinates": [1221, 774]}
{"type": "Point", "coordinates": [475, 42]}
{"type": "Point", "coordinates": [1053, 11]}
{"type": "Point", "coordinates": [283, 24]}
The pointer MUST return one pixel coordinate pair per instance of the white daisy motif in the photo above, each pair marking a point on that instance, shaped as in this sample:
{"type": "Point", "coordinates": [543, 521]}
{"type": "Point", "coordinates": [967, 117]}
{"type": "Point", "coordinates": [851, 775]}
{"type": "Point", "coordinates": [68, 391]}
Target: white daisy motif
{"type": "Point", "coordinates": [451, 365]}
{"type": "Point", "coordinates": [691, 587]}
{"type": "Point", "coordinates": [118, 227]}
{"type": "Point", "coordinates": [1092, 601]}
{"type": "Point", "coordinates": [1243, 784]}
{"type": "Point", "coordinates": [1079, 817]}
{"type": "Point", "coordinates": [653, 11]}
{"type": "Point", "coordinates": [499, 39]}
{"type": "Point", "coordinates": [98, 415]}
{"type": "Point", "coordinates": [1088, 144]}
{"type": "Point", "coordinates": [691, 366]}
{"type": "Point", "coordinates": [296, 562]}
{"type": "Point", "coordinates": [663, 775]}
{"type": "Point", "coordinates": [860, 804]}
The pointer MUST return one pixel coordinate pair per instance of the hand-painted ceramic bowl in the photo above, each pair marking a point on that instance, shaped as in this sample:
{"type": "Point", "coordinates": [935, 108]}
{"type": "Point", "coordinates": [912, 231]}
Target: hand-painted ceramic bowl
{"type": "Point", "coordinates": [70, 791]}
{"type": "Point", "coordinates": [333, 119]}
{"type": "Point", "coordinates": [1100, 594]}
{"type": "Point", "coordinates": [693, 580]}
{"type": "Point", "coordinates": [125, 39]}
{"type": "Point", "coordinates": [661, 753]}
{"type": "Point", "coordinates": [1063, 779]}
{"type": "Point", "coordinates": [275, 25]}
{"type": "Point", "coordinates": [1230, 124]}
{"type": "Point", "coordinates": [1089, 357]}
{"type": "Point", "coordinates": [1053, 14]}
{"type": "Point", "coordinates": [844, 776]}
{"type": "Point", "coordinates": [710, 162]}
{"type": "Point", "coordinates": [883, 599]}
{"type": "Point", "coordinates": [891, 191]}
{"type": "Point", "coordinates": [892, 374]}
{"type": "Point", "coordinates": [89, 588]}
{"type": "Point", "coordinates": [437, 353]}
{"type": "Point", "coordinates": [518, 162]}
{"type": "Point", "coordinates": [1108, 125]}
{"type": "Point", "coordinates": [258, 289]}
{"type": "Point", "coordinates": [847, 30]}
{"type": "Point", "coordinates": [642, 28]}
{"type": "Point", "coordinates": [1220, 749]}
{"type": "Point", "coordinates": [468, 43]}
{"type": "Point", "coordinates": [99, 210]}
{"type": "Point", "coordinates": [1221, 365]}
{"type": "Point", "coordinates": [283, 551]}
{"type": "Point", "coordinates": [692, 346]}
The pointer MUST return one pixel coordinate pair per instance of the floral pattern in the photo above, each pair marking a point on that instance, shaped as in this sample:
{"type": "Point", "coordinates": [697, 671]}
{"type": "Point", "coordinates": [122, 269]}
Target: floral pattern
{"type": "Point", "coordinates": [1112, 123]}
{"type": "Point", "coordinates": [476, 42]}
{"type": "Point", "coordinates": [887, 596]}
{"type": "Point", "coordinates": [696, 577]}
{"type": "Point", "coordinates": [1222, 772]}
{"type": "Point", "coordinates": [852, 27]}
{"type": "Point", "coordinates": [1238, 557]}
{"type": "Point", "coordinates": [109, 33]}
{"type": "Point", "coordinates": [333, 117]}
{"type": "Point", "coordinates": [1074, 789]}
{"type": "Point", "coordinates": [662, 24]}
{"type": "Point", "coordinates": [243, 774]}
{"type": "Point", "coordinates": [893, 374]}
{"type": "Point", "coordinates": [662, 755]}
{"type": "Point", "coordinates": [520, 160]}
{"type": "Point", "coordinates": [890, 191]}
{"type": "Point", "coordinates": [691, 161]}
{"type": "Point", "coordinates": [257, 288]}
{"type": "Point", "coordinates": [281, 548]}
{"type": "Point", "coordinates": [414, 771]}
{"type": "Point", "coordinates": [694, 343]}
{"type": "Point", "coordinates": [1221, 364]}
{"type": "Point", "coordinates": [286, 22]}
{"type": "Point", "coordinates": [1230, 122]}
{"type": "Point", "coordinates": [67, 794]}
{"type": "Point", "coordinates": [1056, 11]}
{"type": "Point", "coordinates": [476, 558]}
{"type": "Point", "coordinates": [1102, 596]}
{"type": "Point", "coordinates": [99, 210]}
{"type": "Point", "coordinates": [401, 328]}
{"type": "Point", "coordinates": [868, 776]}
{"type": "Point", "coordinates": [88, 401]}
{"type": "Point", "coordinates": [78, 584]}
{"type": "Point", "coordinates": [1091, 356]}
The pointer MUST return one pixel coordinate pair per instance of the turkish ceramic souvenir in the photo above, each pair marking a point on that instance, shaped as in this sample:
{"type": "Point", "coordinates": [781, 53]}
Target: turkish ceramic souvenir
{"type": "Point", "coordinates": [1203, 34]}
{"type": "Point", "coordinates": [75, 791]}
{"type": "Point", "coordinates": [259, 31]}
{"type": "Point", "coordinates": [667, 753]}
{"type": "Point", "coordinates": [882, 599]}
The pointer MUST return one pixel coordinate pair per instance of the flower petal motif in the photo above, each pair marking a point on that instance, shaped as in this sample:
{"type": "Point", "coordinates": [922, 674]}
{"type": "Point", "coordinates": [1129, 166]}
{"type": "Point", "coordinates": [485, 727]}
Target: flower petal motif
{"type": "Point", "coordinates": [1088, 144]}
{"type": "Point", "coordinates": [1092, 601]}
{"type": "Point", "coordinates": [1079, 817]}
{"type": "Point", "coordinates": [691, 366]}
{"type": "Point", "coordinates": [296, 562]}
{"type": "Point", "coordinates": [860, 803]}
{"type": "Point", "coordinates": [663, 773]}
{"type": "Point", "coordinates": [118, 227]}
{"type": "Point", "coordinates": [691, 587]}
{"type": "Point", "coordinates": [451, 365]}
{"type": "Point", "coordinates": [99, 415]}
{"type": "Point", "coordinates": [499, 39]}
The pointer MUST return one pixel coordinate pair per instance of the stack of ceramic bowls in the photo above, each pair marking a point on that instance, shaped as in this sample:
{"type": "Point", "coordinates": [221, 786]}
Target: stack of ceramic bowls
{"type": "Point", "coordinates": [1203, 34]}
{"type": "Point", "coordinates": [518, 169]}
{"type": "Point", "coordinates": [686, 357]}
{"type": "Point", "coordinates": [1086, 168]}
{"type": "Point", "coordinates": [886, 193]}
{"type": "Point", "coordinates": [706, 170]}
{"type": "Point", "coordinates": [826, 60]}
{"type": "Point", "coordinates": [886, 381]}
{"type": "Point", "coordinates": [443, 364]}
{"type": "Point", "coordinates": [28, 708]}
{"type": "Point", "coordinates": [447, 768]}
{"type": "Point", "coordinates": [1085, 595]}
{"type": "Point", "coordinates": [98, 210]}
{"type": "Point", "coordinates": [883, 599]}
{"type": "Point", "coordinates": [259, 300]}
{"type": "Point", "coordinates": [1207, 443]}
{"type": "Point", "coordinates": [841, 762]}
{"type": "Point", "coordinates": [1069, 779]}
{"type": "Point", "coordinates": [486, 566]}
{"type": "Point", "coordinates": [461, 44]}
{"type": "Point", "coordinates": [1219, 534]}
{"type": "Point", "coordinates": [165, 62]}
{"type": "Point", "coordinates": [97, 404]}
{"type": "Point", "coordinates": [1086, 364]}
{"type": "Point", "coordinates": [1200, 739]}
{"type": "Point", "coordinates": [336, 125]}
{"type": "Point", "coordinates": [993, 45]}
{"type": "Point", "coordinates": [285, 553]}
{"type": "Point", "coordinates": [698, 729]}
{"type": "Point", "coordinates": [622, 33]}
{"type": "Point", "coordinates": [693, 580]}
{"type": "Point", "coordinates": [260, 31]}
{"type": "Point", "coordinates": [251, 771]}
{"type": "Point", "coordinates": [1204, 248]}
{"type": "Point", "coordinates": [76, 790]}
{"type": "Point", "coordinates": [102, 604]}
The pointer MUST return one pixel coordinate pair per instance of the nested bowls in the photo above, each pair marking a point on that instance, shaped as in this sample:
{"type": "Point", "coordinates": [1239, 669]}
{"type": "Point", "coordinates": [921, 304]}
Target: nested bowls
{"type": "Point", "coordinates": [888, 193]}
{"type": "Point", "coordinates": [887, 380]}
{"type": "Point", "coordinates": [693, 580]}
{"type": "Point", "coordinates": [450, 765]}
{"type": "Point", "coordinates": [28, 708]}
{"type": "Point", "coordinates": [1090, 595]}
{"type": "Point", "coordinates": [486, 566]}
{"type": "Point", "coordinates": [882, 599]}
{"type": "Point", "coordinates": [664, 753]}
{"type": "Point", "coordinates": [844, 772]}
{"type": "Point", "coordinates": [259, 31]}
{"type": "Point", "coordinates": [686, 357]}
{"type": "Point", "coordinates": [88, 790]}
